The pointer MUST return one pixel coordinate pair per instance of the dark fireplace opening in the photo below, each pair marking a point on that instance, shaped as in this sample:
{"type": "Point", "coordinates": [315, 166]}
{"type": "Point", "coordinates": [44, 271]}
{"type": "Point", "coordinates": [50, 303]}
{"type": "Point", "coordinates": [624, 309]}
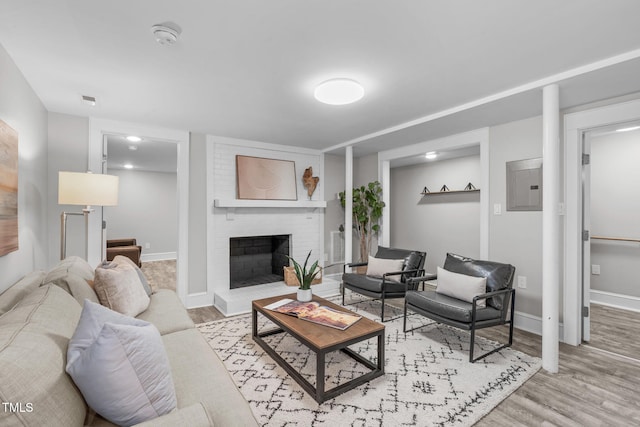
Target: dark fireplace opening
{"type": "Point", "coordinates": [257, 260]}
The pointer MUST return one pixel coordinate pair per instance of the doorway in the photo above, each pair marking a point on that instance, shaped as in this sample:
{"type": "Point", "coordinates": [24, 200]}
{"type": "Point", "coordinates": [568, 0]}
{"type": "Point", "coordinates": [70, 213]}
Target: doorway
{"type": "Point", "coordinates": [147, 171]}
{"type": "Point", "coordinates": [98, 128]}
{"type": "Point", "coordinates": [611, 206]}
{"type": "Point", "coordinates": [576, 283]}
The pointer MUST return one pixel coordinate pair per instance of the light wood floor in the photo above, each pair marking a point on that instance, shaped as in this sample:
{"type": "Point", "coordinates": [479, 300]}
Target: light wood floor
{"type": "Point", "coordinates": [592, 387]}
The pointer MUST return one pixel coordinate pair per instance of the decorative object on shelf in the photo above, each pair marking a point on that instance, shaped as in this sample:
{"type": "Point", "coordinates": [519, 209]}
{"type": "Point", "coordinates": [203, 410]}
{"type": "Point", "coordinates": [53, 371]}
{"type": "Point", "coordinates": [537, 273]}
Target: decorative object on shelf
{"type": "Point", "coordinates": [367, 210]}
{"type": "Point", "coordinates": [305, 277]}
{"type": "Point", "coordinates": [444, 188]}
{"type": "Point", "coordinates": [8, 189]}
{"type": "Point", "coordinates": [470, 187]}
{"type": "Point", "coordinates": [309, 181]}
{"type": "Point", "coordinates": [425, 190]}
{"type": "Point", "coordinates": [266, 179]}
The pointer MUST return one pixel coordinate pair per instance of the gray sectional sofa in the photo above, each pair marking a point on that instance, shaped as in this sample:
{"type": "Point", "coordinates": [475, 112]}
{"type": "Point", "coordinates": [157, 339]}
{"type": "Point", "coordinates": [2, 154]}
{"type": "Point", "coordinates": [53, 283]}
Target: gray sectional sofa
{"type": "Point", "coordinates": [38, 316]}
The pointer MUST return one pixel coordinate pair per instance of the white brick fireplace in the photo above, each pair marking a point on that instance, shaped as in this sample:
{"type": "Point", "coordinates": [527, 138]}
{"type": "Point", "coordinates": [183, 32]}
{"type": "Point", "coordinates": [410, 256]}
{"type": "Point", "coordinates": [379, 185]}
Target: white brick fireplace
{"type": "Point", "coordinates": [228, 217]}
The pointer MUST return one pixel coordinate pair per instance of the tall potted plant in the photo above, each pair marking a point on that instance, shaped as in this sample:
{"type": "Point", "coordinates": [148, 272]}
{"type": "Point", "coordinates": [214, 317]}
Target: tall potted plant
{"type": "Point", "coordinates": [305, 277]}
{"type": "Point", "coordinates": [367, 210]}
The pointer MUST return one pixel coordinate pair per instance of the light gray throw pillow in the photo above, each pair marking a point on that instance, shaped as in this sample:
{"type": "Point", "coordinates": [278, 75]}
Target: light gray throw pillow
{"type": "Point", "coordinates": [461, 286]}
{"type": "Point", "coordinates": [120, 366]}
{"type": "Point", "coordinates": [376, 267]}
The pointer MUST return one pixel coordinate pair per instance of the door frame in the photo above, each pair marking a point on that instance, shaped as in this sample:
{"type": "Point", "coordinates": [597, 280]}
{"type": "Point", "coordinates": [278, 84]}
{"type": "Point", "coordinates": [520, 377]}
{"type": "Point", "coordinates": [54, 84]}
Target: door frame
{"type": "Point", "coordinates": [575, 125]}
{"type": "Point", "coordinates": [98, 128]}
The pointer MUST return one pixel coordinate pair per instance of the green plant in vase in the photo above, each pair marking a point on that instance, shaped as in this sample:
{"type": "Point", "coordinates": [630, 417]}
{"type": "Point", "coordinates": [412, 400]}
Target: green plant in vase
{"type": "Point", "coordinates": [305, 277]}
{"type": "Point", "coordinates": [367, 210]}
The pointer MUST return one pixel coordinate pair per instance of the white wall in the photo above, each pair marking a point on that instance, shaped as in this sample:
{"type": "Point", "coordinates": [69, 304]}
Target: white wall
{"type": "Point", "coordinates": [68, 141]}
{"type": "Point", "coordinates": [197, 214]}
{"type": "Point", "coordinates": [147, 210]}
{"type": "Point", "coordinates": [615, 204]}
{"type": "Point", "coordinates": [441, 223]}
{"type": "Point", "coordinates": [21, 109]}
{"type": "Point", "coordinates": [334, 169]}
{"type": "Point", "coordinates": [516, 237]}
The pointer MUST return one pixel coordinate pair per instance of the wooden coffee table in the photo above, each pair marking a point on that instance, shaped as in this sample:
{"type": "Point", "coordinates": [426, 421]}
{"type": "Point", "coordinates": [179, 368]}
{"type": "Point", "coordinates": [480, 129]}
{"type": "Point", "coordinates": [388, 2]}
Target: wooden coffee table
{"type": "Point", "coordinates": [320, 340]}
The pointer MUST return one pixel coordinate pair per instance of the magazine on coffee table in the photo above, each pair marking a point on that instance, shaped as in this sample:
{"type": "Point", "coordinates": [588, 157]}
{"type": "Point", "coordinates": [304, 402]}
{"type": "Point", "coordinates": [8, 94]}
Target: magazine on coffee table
{"type": "Point", "coordinates": [314, 312]}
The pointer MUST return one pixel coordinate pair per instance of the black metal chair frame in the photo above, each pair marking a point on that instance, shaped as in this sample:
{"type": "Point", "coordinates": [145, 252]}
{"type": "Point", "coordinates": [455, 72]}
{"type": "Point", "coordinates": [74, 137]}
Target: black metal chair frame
{"type": "Point", "coordinates": [509, 293]}
{"type": "Point", "coordinates": [382, 295]}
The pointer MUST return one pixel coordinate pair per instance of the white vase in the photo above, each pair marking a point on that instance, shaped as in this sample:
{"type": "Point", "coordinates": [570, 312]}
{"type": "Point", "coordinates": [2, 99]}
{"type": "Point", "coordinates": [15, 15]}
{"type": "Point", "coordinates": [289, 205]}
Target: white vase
{"type": "Point", "coordinates": [304, 295]}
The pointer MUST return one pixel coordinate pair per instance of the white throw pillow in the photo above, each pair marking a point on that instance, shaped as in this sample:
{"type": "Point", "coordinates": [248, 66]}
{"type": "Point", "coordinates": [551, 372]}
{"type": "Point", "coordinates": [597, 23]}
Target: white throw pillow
{"type": "Point", "coordinates": [120, 366]}
{"type": "Point", "coordinates": [379, 266]}
{"type": "Point", "coordinates": [461, 286]}
{"type": "Point", "coordinates": [119, 288]}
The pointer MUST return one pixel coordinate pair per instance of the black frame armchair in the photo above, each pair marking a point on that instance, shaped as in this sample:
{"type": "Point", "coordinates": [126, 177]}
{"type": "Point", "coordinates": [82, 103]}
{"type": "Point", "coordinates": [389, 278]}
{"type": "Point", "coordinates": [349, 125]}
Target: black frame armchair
{"type": "Point", "coordinates": [500, 301]}
{"type": "Point", "coordinates": [384, 287]}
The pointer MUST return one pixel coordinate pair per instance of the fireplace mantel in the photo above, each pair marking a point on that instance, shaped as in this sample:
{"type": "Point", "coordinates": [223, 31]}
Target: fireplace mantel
{"type": "Point", "coordinates": [236, 203]}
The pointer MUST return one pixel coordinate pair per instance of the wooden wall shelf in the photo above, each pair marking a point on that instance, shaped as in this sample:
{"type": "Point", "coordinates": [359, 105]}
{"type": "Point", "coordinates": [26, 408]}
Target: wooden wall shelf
{"type": "Point", "coordinates": [437, 193]}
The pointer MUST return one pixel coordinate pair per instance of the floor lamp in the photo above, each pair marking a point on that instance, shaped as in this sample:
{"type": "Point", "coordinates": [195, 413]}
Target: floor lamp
{"type": "Point", "coordinates": [85, 189]}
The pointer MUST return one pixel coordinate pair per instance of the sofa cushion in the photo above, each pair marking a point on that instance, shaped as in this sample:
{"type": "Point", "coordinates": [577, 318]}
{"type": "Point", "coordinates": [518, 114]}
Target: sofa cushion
{"type": "Point", "coordinates": [499, 276]}
{"type": "Point", "coordinates": [119, 288]}
{"type": "Point", "coordinates": [33, 351]}
{"type": "Point", "coordinates": [120, 365]}
{"type": "Point", "coordinates": [461, 286]}
{"type": "Point", "coordinates": [376, 267]}
{"type": "Point", "coordinates": [74, 275]}
{"type": "Point", "coordinates": [166, 312]}
{"type": "Point", "coordinates": [200, 376]}
{"type": "Point", "coordinates": [371, 284]}
{"type": "Point", "coordinates": [18, 290]}
{"type": "Point", "coordinates": [448, 307]}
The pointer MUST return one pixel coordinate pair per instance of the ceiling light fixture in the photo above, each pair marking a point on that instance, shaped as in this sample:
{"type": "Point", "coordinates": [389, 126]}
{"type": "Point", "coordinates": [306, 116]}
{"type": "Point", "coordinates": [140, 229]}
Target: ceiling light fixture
{"type": "Point", "coordinates": [133, 138]}
{"type": "Point", "coordinates": [431, 155]}
{"type": "Point", "coordinates": [128, 166]}
{"type": "Point", "coordinates": [166, 33]}
{"type": "Point", "coordinates": [339, 91]}
{"type": "Point", "coordinates": [628, 129]}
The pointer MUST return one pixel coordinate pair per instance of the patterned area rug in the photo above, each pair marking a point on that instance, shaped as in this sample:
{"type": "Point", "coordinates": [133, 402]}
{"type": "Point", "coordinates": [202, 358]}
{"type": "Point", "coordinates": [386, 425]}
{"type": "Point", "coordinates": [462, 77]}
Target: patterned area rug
{"type": "Point", "coordinates": [428, 380]}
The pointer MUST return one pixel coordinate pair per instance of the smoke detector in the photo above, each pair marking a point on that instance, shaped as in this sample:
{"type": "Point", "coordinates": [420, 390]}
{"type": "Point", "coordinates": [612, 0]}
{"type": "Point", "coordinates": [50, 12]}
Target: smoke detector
{"type": "Point", "coordinates": [166, 33]}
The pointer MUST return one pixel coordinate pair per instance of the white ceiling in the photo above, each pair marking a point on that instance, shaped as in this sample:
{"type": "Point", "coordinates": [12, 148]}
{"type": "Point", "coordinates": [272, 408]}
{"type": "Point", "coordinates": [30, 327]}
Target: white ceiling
{"type": "Point", "coordinates": [247, 68]}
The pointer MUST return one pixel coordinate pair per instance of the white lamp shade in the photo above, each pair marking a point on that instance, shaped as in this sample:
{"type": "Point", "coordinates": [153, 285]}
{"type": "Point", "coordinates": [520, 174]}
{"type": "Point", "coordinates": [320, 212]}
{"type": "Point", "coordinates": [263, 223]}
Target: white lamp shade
{"type": "Point", "coordinates": [87, 189]}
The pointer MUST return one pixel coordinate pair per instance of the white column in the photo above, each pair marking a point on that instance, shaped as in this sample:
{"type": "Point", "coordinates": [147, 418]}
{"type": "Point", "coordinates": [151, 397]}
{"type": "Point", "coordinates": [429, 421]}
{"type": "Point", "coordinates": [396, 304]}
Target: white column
{"type": "Point", "coordinates": [550, 228]}
{"type": "Point", "coordinates": [348, 205]}
{"type": "Point", "coordinates": [385, 174]}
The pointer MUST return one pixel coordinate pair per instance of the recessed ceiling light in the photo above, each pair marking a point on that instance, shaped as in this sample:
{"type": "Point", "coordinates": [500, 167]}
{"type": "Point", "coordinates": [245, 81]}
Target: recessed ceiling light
{"type": "Point", "coordinates": [128, 166]}
{"type": "Point", "coordinates": [133, 148]}
{"type": "Point", "coordinates": [133, 138]}
{"type": "Point", "coordinates": [89, 100]}
{"type": "Point", "coordinates": [628, 129]}
{"type": "Point", "coordinates": [339, 91]}
{"type": "Point", "coordinates": [431, 155]}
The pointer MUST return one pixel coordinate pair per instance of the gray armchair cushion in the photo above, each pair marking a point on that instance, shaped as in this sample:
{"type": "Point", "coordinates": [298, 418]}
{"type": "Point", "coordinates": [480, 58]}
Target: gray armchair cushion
{"type": "Point", "coordinates": [448, 307]}
{"type": "Point", "coordinates": [371, 284]}
{"type": "Point", "coordinates": [499, 276]}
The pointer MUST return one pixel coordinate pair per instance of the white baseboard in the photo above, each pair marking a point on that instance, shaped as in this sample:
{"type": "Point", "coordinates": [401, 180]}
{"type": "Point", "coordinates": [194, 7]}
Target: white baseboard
{"type": "Point", "coordinates": [159, 256]}
{"type": "Point", "coordinates": [625, 302]}
{"type": "Point", "coordinates": [530, 323]}
{"type": "Point", "coordinates": [200, 299]}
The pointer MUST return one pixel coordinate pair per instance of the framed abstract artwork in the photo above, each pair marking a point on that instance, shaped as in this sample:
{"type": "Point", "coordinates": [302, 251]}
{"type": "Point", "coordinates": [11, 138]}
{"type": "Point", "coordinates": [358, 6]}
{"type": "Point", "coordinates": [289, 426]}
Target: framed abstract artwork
{"type": "Point", "coordinates": [8, 189]}
{"type": "Point", "coordinates": [265, 179]}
